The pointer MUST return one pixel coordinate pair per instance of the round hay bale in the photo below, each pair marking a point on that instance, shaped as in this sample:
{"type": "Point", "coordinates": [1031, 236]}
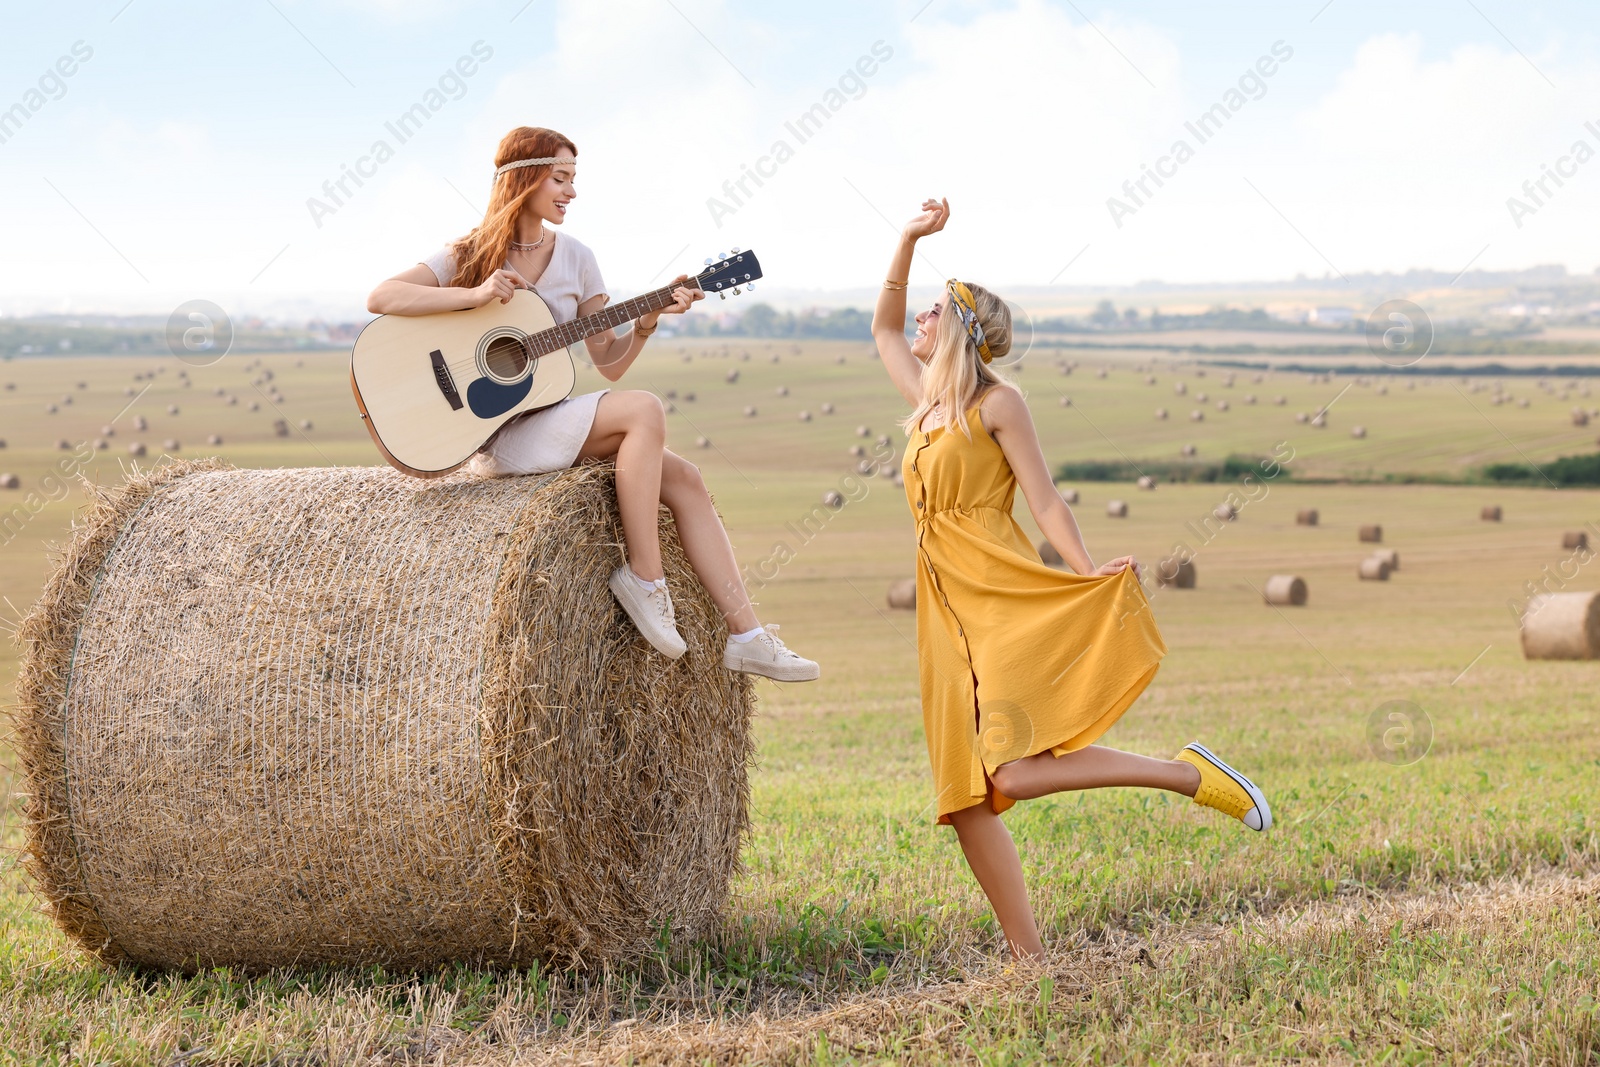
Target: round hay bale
{"type": "Point", "coordinates": [702, 442]}
{"type": "Point", "coordinates": [1280, 400]}
{"type": "Point", "coordinates": [827, 407]}
{"type": "Point", "coordinates": [280, 427]}
{"type": "Point", "coordinates": [1562, 626]}
{"type": "Point", "coordinates": [1374, 569]}
{"type": "Point", "coordinates": [233, 401]}
{"type": "Point", "coordinates": [2, 442]}
{"type": "Point", "coordinates": [1117, 509]}
{"type": "Point", "coordinates": [1306, 517]}
{"type": "Point", "coordinates": [1580, 417]}
{"type": "Point", "coordinates": [101, 444]}
{"type": "Point", "coordinates": [1390, 556]}
{"type": "Point", "coordinates": [732, 375]}
{"type": "Point", "coordinates": [1069, 496]}
{"type": "Point", "coordinates": [750, 411]}
{"type": "Point", "coordinates": [689, 397]}
{"type": "Point", "coordinates": [1049, 555]}
{"type": "Point", "coordinates": [1225, 511]}
{"type": "Point", "coordinates": [108, 430]}
{"type": "Point", "coordinates": [1570, 539]}
{"type": "Point", "coordinates": [1373, 534]}
{"type": "Point", "coordinates": [867, 468]}
{"type": "Point", "coordinates": [64, 445]}
{"type": "Point", "coordinates": [1301, 416]}
{"type": "Point", "coordinates": [1222, 405]}
{"type": "Point", "coordinates": [336, 715]}
{"type": "Point", "coordinates": [140, 423]}
{"type": "Point", "coordinates": [171, 445]}
{"type": "Point", "coordinates": [1066, 401]}
{"type": "Point", "coordinates": [903, 594]}
{"type": "Point", "coordinates": [1197, 415]}
{"type": "Point", "coordinates": [1180, 388]}
{"type": "Point", "coordinates": [805, 416]}
{"type": "Point", "coordinates": [1249, 398]}
{"type": "Point", "coordinates": [883, 440]}
{"type": "Point", "coordinates": [1188, 450]}
{"type": "Point", "coordinates": [1285, 589]}
{"type": "Point", "coordinates": [1201, 398]}
{"type": "Point", "coordinates": [1146, 482]}
{"type": "Point", "coordinates": [305, 424]}
{"type": "Point", "coordinates": [136, 448]}
{"type": "Point", "coordinates": [10, 481]}
{"type": "Point", "coordinates": [1358, 432]}
{"type": "Point", "coordinates": [1161, 413]}
{"type": "Point", "coordinates": [50, 409]}
{"type": "Point", "coordinates": [1176, 572]}
{"type": "Point", "coordinates": [214, 439]}
{"type": "Point", "coordinates": [255, 405]}
{"type": "Point", "coordinates": [11, 387]}
{"type": "Point", "coordinates": [833, 499]}
{"type": "Point", "coordinates": [783, 390]}
{"type": "Point", "coordinates": [1320, 421]}
{"type": "Point", "coordinates": [1490, 513]}
{"type": "Point", "coordinates": [863, 431]}
{"type": "Point", "coordinates": [172, 409]}
{"type": "Point", "coordinates": [858, 451]}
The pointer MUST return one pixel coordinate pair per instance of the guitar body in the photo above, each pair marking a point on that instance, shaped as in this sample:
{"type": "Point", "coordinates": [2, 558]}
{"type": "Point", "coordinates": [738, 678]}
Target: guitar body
{"type": "Point", "coordinates": [433, 388]}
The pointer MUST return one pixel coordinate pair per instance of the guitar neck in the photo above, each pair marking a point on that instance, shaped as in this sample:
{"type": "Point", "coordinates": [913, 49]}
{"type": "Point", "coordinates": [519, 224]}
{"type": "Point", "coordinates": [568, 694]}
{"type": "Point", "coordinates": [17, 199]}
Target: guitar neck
{"type": "Point", "coordinates": [570, 333]}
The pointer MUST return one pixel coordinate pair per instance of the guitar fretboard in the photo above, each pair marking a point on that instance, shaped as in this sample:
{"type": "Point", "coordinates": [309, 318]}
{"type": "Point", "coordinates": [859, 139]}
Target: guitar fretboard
{"type": "Point", "coordinates": [570, 333]}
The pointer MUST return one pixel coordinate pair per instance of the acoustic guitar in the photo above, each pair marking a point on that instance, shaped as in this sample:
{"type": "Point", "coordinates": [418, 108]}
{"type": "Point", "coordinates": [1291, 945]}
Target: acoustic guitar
{"type": "Point", "coordinates": [433, 388]}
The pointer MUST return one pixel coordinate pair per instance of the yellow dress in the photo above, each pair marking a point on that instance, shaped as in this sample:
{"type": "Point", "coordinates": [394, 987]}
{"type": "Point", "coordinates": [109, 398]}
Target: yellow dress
{"type": "Point", "coordinates": [1015, 657]}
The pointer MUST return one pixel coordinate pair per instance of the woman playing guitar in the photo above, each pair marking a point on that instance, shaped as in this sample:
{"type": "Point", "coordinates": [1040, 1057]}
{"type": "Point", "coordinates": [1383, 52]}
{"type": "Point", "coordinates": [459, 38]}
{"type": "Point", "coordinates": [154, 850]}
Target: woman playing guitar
{"type": "Point", "coordinates": [512, 248]}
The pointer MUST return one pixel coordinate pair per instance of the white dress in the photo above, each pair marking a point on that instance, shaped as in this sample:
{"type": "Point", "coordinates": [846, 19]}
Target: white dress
{"type": "Point", "coordinates": [550, 439]}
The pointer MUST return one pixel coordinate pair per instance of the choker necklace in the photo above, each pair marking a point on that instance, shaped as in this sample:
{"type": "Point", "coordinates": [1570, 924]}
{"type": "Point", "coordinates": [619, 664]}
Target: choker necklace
{"type": "Point", "coordinates": [517, 246]}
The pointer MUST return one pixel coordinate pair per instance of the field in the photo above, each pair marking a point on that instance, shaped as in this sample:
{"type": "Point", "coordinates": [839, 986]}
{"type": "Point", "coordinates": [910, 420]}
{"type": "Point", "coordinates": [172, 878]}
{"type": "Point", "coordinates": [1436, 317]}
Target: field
{"type": "Point", "coordinates": [1430, 893]}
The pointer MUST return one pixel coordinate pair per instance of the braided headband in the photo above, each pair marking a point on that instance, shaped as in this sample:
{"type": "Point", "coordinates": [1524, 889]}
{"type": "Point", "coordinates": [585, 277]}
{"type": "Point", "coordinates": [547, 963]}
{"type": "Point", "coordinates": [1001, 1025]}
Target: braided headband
{"type": "Point", "coordinates": [961, 300]}
{"type": "Point", "coordinates": [539, 162]}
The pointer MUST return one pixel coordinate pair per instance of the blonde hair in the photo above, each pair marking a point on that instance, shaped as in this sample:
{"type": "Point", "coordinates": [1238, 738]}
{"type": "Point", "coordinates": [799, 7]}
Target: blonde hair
{"type": "Point", "coordinates": [956, 376]}
{"type": "Point", "coordinates": [483, 251]}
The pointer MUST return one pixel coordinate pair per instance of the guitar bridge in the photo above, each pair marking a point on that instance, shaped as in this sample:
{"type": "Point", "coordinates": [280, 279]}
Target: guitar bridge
{"type": "Point", "coordinates": [441, 376]}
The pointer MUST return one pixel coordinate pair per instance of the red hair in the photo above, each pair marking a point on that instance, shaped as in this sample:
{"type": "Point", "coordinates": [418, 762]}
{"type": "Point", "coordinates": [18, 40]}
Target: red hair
{"type": "Point", "coordinates": [483, 251]}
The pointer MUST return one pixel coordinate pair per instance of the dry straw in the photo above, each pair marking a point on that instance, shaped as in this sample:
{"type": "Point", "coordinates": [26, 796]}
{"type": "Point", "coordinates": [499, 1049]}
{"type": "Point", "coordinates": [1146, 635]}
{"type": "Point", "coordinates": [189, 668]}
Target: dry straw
{"type": "Point", "coordinates": [275, 717]}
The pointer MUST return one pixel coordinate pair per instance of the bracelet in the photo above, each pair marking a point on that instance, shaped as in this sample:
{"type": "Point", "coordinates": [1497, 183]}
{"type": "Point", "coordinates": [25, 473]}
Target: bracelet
{"type": "Point", "coordinates": [896, 286]}
{"type": "Point", "coordinates": [640, 331]}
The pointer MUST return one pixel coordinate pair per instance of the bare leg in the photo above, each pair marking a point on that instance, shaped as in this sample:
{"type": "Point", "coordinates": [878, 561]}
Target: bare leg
{"type": "Point", "coordinates": [992, 855]}
{"type": "Point", "coordinates": [1093, 767]}
{"type": "Point", "coordinates": [632, 426]}
{"type": "Point", "coordinates": [705, 541]}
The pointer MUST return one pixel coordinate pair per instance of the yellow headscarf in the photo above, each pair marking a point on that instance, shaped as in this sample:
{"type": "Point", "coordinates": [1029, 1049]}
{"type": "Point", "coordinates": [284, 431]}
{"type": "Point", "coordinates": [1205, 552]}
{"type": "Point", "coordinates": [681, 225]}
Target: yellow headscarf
{"type": "Point", "coordinates": [967, 310]}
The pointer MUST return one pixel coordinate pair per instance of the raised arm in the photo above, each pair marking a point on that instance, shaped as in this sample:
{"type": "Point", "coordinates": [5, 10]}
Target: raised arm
{"type": "Point", "coordinates": [1008, 420]}
{"type": "Point", "coordinates": [417, 292]}
{"type": "Point", "coordinates": [889, 318]}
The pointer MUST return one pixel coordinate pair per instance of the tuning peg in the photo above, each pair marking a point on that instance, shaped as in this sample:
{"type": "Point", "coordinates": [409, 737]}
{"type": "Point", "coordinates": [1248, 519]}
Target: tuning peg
{"type": "Point", "coordinates": [733, 251]}
{"type": "Point", "coordinates": [736, 290]}
{"type": "Point", "coordinates": [708, 261]}
{"type": "Point", "coordinates": [750, 287]}
{"type": "Point", "coordinates": [722, 294]}
{"type": "Point", "coordinates": [722, 255]}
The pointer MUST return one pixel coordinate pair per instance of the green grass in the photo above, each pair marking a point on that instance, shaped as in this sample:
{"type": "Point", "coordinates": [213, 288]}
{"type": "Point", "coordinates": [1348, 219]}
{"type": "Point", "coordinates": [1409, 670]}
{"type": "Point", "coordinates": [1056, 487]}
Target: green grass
{"type": "Point", "coordinates": [1441, 911]}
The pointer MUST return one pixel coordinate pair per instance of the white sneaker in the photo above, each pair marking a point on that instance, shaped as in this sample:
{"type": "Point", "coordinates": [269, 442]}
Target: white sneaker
{"type": "Point", "coordinates": [651, 612]}
{"type": "Point", "coordinates": [769, 657]}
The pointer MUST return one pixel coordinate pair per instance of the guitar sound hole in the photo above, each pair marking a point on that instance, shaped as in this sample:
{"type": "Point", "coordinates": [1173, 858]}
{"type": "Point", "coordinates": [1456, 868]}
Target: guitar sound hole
{"type": "Point", "coordinates": [506, 358]}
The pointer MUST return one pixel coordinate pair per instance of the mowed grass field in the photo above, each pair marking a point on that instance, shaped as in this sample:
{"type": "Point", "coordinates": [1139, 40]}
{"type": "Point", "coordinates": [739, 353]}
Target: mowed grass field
{"type": "Point", "coordinates": [1430, 893]}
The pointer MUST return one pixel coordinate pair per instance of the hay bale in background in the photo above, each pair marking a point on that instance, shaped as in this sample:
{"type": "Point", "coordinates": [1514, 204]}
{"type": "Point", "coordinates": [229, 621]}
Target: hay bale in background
{"type": "Point", "coordinates": [833, 499]}
{"type": "Point", "coordinates": [1049, 555]}
{"type": "Point", "coordinates": [1285, 589]}
{"type": "Point", "coordinates": [1374, 569]}
{"type": "Point", "coordinates": [903, 594]}
{"type": "Point", "coordinates": [1225, 511]}
{"type": "Point", "coordinates": [1373, 534]}
{"type": "Point", "coordinates": [1069, 496]}
{"type": "Point", "coordinates": [1562, 626]}
{"type": "Point", "coordinates": [10, 481]}
{"type": "Point", "coordinates": [1575, 539]}
{"type": "Point", "coordinates": [1161, 413]}
{"type": "Point", "coordinates": [1580, 417]}
{"type": "Point", "coordinates": [1389, 556]}
{"type": "Point", "coordinates": [1490, 513]}
{"type": "Point", "coordinates": [1146, 482]}
{"type": "Point", "coordinates": [273, 717]}
{"type": "Point", "coordinates": [1176, 572]}
{"type": "Point", "coordinates": [1117, 509]}
{"type": "Point", "coordinates": [1306, 517]}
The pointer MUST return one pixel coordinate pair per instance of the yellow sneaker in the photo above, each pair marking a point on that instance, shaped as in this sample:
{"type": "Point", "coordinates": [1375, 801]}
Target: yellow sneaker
{"type": "Point", "coordinates": [1225, 789]}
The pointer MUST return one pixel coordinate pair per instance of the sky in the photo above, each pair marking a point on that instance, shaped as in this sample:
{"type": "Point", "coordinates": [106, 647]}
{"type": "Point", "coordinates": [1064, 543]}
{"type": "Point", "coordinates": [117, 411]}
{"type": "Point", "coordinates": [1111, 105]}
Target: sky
{"type": "Point", "coordinates": [193, 150]}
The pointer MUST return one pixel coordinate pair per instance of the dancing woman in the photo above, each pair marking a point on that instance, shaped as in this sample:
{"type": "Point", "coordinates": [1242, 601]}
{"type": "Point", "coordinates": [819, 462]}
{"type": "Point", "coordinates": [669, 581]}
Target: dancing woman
{"type": "Point", "coordinates": [515, 248]}
{"type": "Point", "coordinates": [1022, 667]}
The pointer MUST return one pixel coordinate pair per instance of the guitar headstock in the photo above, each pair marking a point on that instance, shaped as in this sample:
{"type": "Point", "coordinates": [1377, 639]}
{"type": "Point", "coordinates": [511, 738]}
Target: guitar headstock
{"type": "Point", "coordinates": [730, 270]}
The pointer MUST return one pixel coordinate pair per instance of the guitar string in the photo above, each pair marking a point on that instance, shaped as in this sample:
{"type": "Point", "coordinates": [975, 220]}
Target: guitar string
{"type": "Point", "coordinates": [641, 303]}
